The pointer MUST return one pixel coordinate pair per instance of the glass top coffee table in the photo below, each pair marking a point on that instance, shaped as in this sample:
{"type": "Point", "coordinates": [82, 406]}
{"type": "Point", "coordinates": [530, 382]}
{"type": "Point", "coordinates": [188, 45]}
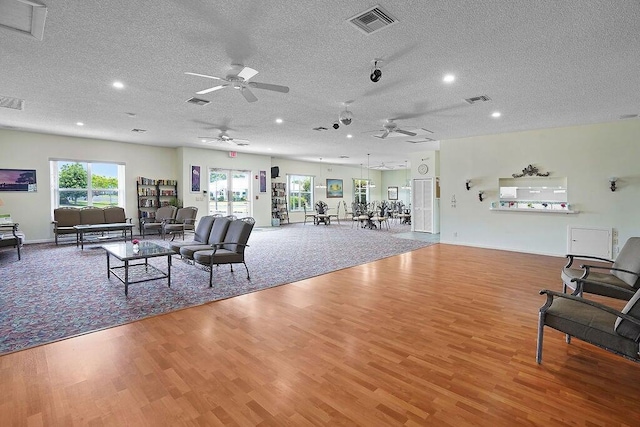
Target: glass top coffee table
{"type": "Point", "coordinates": [132, 272]}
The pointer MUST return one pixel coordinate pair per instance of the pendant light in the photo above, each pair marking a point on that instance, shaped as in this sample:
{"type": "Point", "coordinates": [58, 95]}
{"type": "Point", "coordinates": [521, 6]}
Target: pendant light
{"type": "Point", "coordinates": [370, 183]}
{"type": "Point", "coordinates": [321, 182]}
{"type": "Point", "coordinates": [407, 181]}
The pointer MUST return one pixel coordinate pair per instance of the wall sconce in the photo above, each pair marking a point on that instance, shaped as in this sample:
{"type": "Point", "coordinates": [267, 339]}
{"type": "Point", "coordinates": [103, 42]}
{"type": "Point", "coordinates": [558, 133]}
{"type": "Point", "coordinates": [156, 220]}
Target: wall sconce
{"type": "Point", "coordinates": [480, 195]}
{"type": "Point", "coordinates": [468, 184]}
{"type": "Point", "coordinates": [612, 183]}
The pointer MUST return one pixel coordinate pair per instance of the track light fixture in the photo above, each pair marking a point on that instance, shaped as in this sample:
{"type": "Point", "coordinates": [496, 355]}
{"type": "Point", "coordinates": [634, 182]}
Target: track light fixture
{"type": "Point", "coordinates": [612, 183]}
{"type": "Point", "coordinates": [468, 184]}
{"type": "Point", "coordinates": [481, 195]}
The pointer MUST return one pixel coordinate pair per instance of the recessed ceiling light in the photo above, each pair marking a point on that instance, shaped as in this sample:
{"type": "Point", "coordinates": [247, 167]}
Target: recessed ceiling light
{"type": "Point", "coordinates": [80, 124]}
{"type": "Point", "coordinates": [278, 121]}
{"type": "Point", "coordinates": [349, 136]}
{"type": "Point", "coordinates": [118, 85]}
{"type": "Point", "coordinates": [496, 114]}
{"type": "Point", "coordinates": [448, 78]}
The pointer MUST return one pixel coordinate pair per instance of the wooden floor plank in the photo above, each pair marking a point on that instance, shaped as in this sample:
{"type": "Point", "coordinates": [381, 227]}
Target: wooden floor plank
{"type": "Point", "coordinates": [444, 335]}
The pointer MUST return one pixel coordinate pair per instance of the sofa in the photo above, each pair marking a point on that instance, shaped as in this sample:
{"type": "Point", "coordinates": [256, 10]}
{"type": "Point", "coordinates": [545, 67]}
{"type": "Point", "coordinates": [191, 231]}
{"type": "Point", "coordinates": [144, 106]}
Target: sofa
{"type": "Point", "coordinates": [64, 219]}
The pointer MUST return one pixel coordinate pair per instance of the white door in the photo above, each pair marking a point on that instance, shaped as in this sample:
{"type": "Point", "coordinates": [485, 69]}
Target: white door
{"type": "Point", "coordinates": [422, 205]}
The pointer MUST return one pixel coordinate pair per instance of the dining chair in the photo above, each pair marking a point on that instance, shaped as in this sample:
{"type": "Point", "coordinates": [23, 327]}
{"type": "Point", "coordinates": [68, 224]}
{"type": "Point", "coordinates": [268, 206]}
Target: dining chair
{"type": "Point", "coordinates": [311, 215]}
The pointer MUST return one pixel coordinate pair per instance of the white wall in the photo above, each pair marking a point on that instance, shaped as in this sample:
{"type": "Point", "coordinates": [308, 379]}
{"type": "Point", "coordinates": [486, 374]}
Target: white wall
{"type": "Point", "coordinates": [220, 159]}
{"type": "Point", "coordinates": [24, 150]}
{"type": "Point", "coordinates": [324, 170]}
{"type": "Point", "coordinates": [586, 155]}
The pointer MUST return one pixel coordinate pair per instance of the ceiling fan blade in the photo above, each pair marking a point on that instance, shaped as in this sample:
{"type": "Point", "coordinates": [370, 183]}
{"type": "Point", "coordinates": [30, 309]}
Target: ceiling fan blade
{"type": "Point", "coordinates": [204, 75]}
{"type": "Point", "coordinates": [211, 89]}
{"type": "Point", "coordinates": [248, 95]}
{"type": "Point", "coordinates": [405, 132]}
{"type": "Point", "coordinates": [246, 73]}
{"type": "Point", "coordinates": [267, 86]}
{"type": "Point", "coordinates": [385, 134]}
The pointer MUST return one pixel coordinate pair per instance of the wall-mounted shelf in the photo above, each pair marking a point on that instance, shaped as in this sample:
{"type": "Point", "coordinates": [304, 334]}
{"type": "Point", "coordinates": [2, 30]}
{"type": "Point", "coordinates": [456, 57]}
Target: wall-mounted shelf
{"type": "Point", "coordinates": [550, 211]}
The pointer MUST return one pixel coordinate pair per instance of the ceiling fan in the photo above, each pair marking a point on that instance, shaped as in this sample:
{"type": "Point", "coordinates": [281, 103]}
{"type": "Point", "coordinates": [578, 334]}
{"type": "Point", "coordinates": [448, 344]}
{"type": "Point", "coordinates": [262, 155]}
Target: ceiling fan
{"type": "Point", "coordinates": [382, 166]}
{"type": "Point", "coordinates": [238, 79]}
{"type": "Point", "coordinates": [390, 127]}
{"type": "Point", "coordinates": [224, 137]}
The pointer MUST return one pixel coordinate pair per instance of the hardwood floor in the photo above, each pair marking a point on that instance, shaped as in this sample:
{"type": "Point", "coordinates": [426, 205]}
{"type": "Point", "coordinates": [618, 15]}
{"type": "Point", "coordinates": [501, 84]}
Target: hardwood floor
{"type": "Point", "coordinates": [442, 336]}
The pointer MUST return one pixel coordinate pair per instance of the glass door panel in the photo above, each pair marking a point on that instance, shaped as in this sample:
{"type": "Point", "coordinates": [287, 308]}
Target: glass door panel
{"type": "Point", "coordinates": [218, 192]}
{"type": "Point", "coordinates": [229, 192]}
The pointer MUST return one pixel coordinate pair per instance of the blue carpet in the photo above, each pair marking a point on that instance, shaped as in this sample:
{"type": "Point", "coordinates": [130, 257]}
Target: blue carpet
{"type": "Point", "coordinates": [56, 292]}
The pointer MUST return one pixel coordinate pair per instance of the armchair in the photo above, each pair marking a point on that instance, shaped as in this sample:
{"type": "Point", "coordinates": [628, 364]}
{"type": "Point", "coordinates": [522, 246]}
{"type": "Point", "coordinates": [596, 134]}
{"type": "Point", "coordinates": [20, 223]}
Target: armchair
{"type": "Point", "coordinates": [164, 215]}
{"type": "Point", "coordinates": [12, 238]}
{"type": "Point", "coordinates": [592, 322]}
{"type": "Point", "coordinates": [185, 220]}
{"type": "Point", "coordinates": [618, 280]}
{"type": "Point", "coordinates": [200, 235]}
{"type": "Point", "coordinates": [311, 215]}
{"type": "Point", "coordinates": [230, 251]}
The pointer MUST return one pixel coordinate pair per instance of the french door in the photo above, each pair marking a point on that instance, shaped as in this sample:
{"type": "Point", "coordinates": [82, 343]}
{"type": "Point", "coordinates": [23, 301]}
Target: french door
{"type": "Point", "coordinates": [229, 192]}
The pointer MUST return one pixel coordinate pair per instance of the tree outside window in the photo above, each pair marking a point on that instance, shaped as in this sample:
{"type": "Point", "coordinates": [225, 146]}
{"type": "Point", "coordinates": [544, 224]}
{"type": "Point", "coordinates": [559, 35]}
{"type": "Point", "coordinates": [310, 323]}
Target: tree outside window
{"type": "Point", "coordinates": [300, 193]}
{"type": "Point", "coordinates": [80, 184]}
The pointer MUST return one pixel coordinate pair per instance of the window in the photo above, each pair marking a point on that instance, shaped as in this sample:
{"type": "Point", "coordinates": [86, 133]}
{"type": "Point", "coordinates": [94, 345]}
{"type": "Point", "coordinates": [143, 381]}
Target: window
{"type": "Point", "coordinates": [361, 190]}
{"type": "Point", "coordinates": [300, 192]}
{"type": "Point", "coordinates": [78, 184]}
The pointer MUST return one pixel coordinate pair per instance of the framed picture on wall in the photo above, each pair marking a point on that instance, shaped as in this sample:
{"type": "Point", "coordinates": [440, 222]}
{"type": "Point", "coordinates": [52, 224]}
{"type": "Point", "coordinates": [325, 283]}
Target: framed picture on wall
{"type": "Point", "coordinates": [195, 179]}
{"type": "Point", "coordinates": [334, 188]}
{"type": "Point", "coordinates": [263, 181]}
{"type": "Point", "coordinates": [18, 180]}
{"type": "Point", "coordinates": [392, 193]}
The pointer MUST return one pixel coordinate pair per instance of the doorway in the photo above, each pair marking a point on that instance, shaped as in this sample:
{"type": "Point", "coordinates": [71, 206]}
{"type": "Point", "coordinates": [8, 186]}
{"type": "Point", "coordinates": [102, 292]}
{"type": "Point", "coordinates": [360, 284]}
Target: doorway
{"type": "Point", "coordinates": [229, 192]}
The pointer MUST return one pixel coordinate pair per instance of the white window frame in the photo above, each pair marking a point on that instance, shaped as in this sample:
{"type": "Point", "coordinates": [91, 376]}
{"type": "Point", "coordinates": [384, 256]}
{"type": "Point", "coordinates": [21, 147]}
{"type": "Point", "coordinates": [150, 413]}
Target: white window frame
{"type": "Point", "coordinates": [55, 190]}
{"type": "Point", "coordinates": [291, 193]}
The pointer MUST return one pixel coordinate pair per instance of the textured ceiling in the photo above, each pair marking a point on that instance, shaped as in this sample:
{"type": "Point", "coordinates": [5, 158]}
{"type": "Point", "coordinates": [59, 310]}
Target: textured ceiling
{"type": "Point", "coordinates": [542, 63]}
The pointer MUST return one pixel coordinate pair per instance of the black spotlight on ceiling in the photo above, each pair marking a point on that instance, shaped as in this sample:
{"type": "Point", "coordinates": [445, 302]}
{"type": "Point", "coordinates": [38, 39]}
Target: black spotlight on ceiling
{"type": "Point", "coordinates": [376, 73]}
{"type": "Point", "coordinates": [336, 125]}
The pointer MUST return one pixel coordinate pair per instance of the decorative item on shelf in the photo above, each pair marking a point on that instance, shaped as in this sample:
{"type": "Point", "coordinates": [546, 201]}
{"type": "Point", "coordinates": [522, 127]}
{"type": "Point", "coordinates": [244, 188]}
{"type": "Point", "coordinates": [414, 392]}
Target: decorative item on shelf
{"type": "Point", "coordinates": [563, 205]}
{"type": "Point", "coordinates": [612, 183]}
{"type": "Point", "coordinates": [481, 195]}
{"type": "Point", "coordinates": [467, 184]}
{"type": "Point", "coordinates": [545, 205]}
{"type": "Point", "coordinates": [529, 171]}
{"type": "Point", "coordinates": [530, 205]}
{"type": "Point", "coordinates": [136, 246]}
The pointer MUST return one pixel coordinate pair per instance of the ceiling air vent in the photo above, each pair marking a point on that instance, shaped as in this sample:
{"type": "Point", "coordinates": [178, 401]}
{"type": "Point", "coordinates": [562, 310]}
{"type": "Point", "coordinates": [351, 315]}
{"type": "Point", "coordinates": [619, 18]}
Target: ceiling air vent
{"type": "Point", "coordinates": [13, 103]}
{"type": "Point", "coordinates": [138, 130]}
{"type": "Point", "coordinates": [478, 99]}
{"type": "Point", "coordinates": [198, 101]}
{"type": "Point", "coordinates": [320, 128]}
{"type": "Point", "coordinates": [628, 116]}
{"type": "Point", "coordinates": [372, 20]}
{"type": "Point", "coordinates": [24, 16]}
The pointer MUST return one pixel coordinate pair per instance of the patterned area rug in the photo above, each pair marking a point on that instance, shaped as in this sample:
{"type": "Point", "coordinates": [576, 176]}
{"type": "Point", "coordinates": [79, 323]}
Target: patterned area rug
{"type": "Point", "coordinates": [56, 292]}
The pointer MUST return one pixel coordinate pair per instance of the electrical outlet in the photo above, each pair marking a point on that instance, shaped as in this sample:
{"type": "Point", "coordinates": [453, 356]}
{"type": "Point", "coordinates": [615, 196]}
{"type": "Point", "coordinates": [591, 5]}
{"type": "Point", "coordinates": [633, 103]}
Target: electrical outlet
{"type": "Point", "coordinates": [615, 234]}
